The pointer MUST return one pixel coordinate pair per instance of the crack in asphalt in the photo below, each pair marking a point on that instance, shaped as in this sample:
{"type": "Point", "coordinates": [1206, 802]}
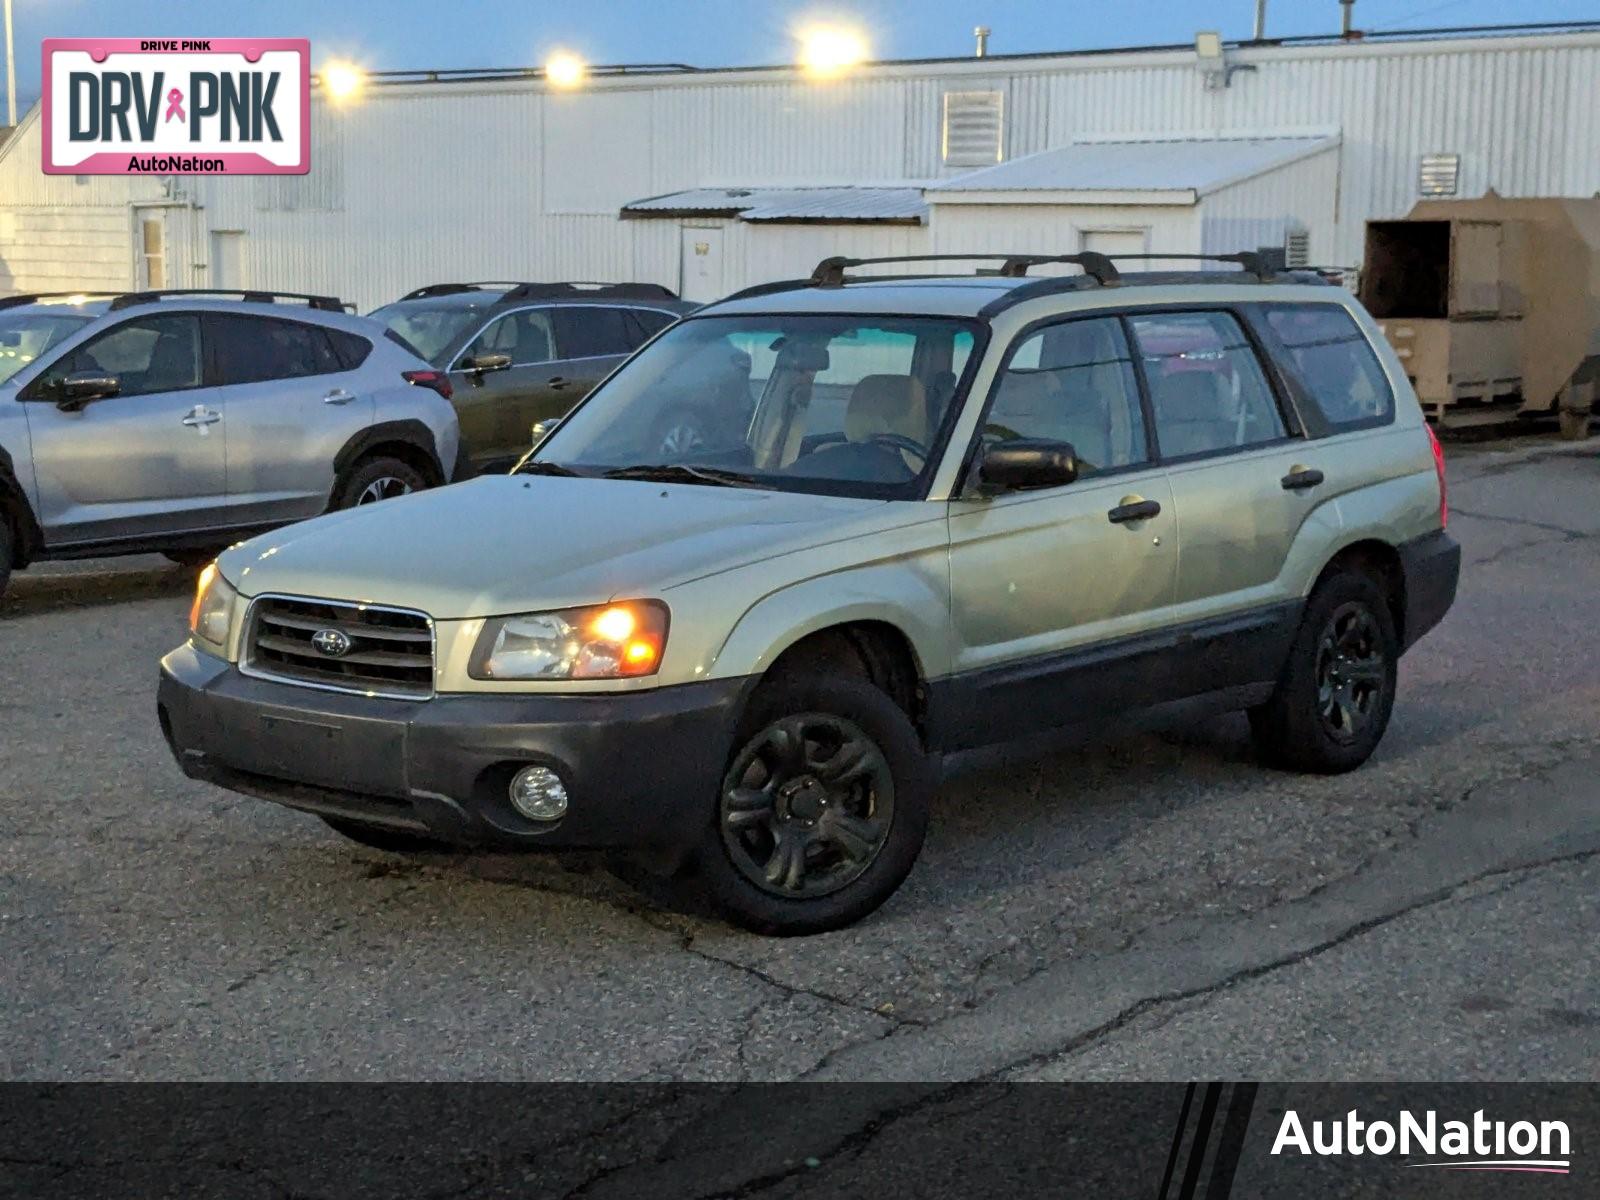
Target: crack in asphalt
{"type": "Point", "coordinates": [1571, 535]}
{"type": "Point", "coordinates": [1259, 970]}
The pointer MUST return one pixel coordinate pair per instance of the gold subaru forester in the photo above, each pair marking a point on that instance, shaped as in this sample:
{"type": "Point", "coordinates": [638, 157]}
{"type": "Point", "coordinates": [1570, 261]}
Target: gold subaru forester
{"type": "Point", "coordinates": [898, 517]}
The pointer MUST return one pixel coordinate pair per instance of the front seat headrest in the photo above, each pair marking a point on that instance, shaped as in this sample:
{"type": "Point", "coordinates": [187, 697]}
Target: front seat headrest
{"type": "Point", "coordinates": [886, 404]}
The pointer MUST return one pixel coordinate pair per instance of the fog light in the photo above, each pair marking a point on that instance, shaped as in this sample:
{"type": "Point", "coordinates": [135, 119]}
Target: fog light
{"type": "Point", "coordinates": [538, 794]}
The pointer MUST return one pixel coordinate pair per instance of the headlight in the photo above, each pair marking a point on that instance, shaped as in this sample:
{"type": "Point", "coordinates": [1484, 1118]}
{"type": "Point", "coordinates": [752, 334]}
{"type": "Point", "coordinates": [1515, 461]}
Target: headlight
{"type": "Point", "coordinates": [211, 614]}
{"type": "Point", "coordinates": [605, 641]}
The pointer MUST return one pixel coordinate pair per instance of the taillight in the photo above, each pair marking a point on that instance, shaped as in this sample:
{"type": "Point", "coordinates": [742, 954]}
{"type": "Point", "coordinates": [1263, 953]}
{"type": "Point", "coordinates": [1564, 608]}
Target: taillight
{"type": "Point", "coordinates": [1438, 466]}
{"type": "Point", "coordinates": [437, 380]}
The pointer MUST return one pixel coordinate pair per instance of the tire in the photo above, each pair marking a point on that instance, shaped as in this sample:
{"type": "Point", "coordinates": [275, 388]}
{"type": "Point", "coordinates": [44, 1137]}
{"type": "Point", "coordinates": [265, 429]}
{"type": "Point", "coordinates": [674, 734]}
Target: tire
{"type": "Point", "coordinates": [1335, 696]}
{"type": "Point", "coordinates": [394, 841]}
{"type": "Point", "coordinates": [6, 556]}
{"type": "Point", "coordinates": [1574, 424]}
{"type": "Point", "coordinates": [375, 479]}
{"type": "Point", "coordinates": [193, 558]}
{"type": "Point", "coordinates": [854, 834]}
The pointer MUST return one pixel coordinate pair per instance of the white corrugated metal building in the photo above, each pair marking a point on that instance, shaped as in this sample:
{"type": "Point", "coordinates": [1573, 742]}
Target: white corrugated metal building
{"type": "Point", "coordinates": [710, 180]}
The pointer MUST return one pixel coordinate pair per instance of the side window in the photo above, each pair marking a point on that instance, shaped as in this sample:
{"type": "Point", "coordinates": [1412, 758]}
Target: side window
{"type": "Point", "coordinates": [257, 349]}
{"type": "Point", "coordinates": [591, 331]}
{"type": "Point", "coordinates": [1075, 383]}
{"type": "Point", "coordinates": [1206, 385]}
{"type": "Point", "coordinates": [1333, 360]}
{"type": "Point", "coordinates": [642, 324]}
{"type": "Point", "coordinates": [526, 336]}
{"type": "Point", "coordinates": [351, 349]}
{"type": "Point", "coordinates": [157, 353]}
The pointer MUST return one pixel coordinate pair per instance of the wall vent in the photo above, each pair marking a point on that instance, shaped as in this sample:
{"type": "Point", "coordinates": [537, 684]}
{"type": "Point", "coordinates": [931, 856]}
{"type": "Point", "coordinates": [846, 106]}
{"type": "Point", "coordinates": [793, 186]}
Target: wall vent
{"type": "Point", "coordinates": [973, 130]}
{"type": "Point", "coordinates": [1297, 249]}
{"type": "Point", "coordinates": [1438, 174]}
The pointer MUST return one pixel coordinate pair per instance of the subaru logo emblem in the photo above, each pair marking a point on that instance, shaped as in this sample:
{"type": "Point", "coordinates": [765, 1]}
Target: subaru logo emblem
{"type": "Point", "coordinates": [333, 643]}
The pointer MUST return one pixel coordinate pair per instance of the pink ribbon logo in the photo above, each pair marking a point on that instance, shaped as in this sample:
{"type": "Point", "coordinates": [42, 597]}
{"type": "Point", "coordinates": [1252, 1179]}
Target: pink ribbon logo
{"type": "Point", "coordinates": [175, 105]}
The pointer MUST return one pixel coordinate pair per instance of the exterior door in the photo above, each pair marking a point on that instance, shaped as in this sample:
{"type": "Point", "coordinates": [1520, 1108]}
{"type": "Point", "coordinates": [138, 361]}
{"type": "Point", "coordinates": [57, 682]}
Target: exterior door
{"type": "Point", "coordinates": [291, 408]}
{"type": "Point", "coordinates": [1037, 576]}
{"type": "Point", "coordinates": [1225, 440]}
{"type": "Point", "coordinates": [700, 265]}
{"type": "Point", "coordinates": [147, 461]}
{"type": "Point", "coordinates": [497, 409]}
{"type": "Point", "coordinates": [227, 259]}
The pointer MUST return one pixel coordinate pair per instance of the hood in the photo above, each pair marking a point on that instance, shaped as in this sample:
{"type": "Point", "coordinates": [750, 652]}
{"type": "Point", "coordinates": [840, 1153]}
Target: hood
{"type": "Point", "coordinates": [507, 544]}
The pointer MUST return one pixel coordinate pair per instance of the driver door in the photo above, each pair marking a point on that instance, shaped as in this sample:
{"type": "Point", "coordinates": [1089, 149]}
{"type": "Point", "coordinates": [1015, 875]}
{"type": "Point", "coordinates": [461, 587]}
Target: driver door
{"type": "Point", "coordinates": [1042, 580]}
{"type": "Point", "coordinates": [147, 461]}
{"type": "Point", "coordinates": [497, 409]}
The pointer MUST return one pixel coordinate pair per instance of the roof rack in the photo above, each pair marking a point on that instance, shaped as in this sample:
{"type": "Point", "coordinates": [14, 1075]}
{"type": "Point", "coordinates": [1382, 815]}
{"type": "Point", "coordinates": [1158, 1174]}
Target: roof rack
{"type": "Point", "coordinates": [249, 296]}
{"type": "Point", "coordinates": [35, 297]}
{"type": "Point", "coordinates": [830, 272]}
{"type": "Point", "coordinates": [578, 289]}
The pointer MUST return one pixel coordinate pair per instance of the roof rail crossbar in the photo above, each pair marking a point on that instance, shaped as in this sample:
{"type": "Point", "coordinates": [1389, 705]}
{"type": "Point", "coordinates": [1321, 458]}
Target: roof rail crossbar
{"type": "Point", "coordinates": [517, 290]}
{"type": "Point", "coordinates": [35, 297]}
{"type": "Point", "coordinates": [248, 295]}
{"type": "Point", "coordinates": [830, 272]}
{"type": "Point", "coordinates": [1251, 261]}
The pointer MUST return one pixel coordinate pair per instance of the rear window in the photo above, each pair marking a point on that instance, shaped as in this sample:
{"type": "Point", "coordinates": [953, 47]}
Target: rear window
{"type": "Point", "coordinates": [592, 331]}
{"type": "Point", "coordinates": [258, 349]}
{"type": "Point", "coordinates": [1335, 363]}
{"type": "Point", "coordinates": [351, 349]}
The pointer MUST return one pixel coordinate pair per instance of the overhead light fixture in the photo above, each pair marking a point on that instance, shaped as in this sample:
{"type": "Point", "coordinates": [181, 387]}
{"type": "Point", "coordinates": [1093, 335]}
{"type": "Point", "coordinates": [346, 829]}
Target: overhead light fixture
{"type": "Point", "coordinates": [564, 70]}
{"type": "Point", "coordinates": [828, 51]}
{"type": "Point", "coordinates": [1208, 45]}
{"type": "Point", "coordinates": [1212, 59]}
{"type": "Point", "coordinates": [341, 80]}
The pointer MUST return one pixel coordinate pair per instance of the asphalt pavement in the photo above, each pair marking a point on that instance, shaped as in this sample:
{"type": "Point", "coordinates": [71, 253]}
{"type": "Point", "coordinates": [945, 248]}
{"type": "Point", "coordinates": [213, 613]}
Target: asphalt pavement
{"type": "Point", "coordinates": [1149, 905]}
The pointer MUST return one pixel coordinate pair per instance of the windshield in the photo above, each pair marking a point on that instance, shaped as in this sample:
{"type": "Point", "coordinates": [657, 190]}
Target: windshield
{"type": "Point", "coordinates": [428, 330]}
{"type": "Point", "coordinates": [852, 405]}
{"type": "Point", "coordinates": [25, 336]}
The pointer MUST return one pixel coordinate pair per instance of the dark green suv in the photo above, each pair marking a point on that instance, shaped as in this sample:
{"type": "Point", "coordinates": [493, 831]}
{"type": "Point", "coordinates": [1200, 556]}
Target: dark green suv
{"type": "Point", "coordinates": [520, 353]}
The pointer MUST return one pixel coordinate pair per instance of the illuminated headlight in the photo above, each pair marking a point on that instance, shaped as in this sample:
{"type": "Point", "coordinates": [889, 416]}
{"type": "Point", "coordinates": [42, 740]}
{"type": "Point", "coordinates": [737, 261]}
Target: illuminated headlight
{"type": "Point", "coordinates": [211, 614]}
{"type": "Point", "coordinates": [605, 641]}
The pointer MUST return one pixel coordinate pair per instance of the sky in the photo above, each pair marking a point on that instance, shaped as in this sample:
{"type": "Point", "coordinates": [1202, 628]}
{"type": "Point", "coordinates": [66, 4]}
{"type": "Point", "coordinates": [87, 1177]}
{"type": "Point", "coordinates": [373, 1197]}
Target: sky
{"type": "Point", "coordinates": [391, 34]}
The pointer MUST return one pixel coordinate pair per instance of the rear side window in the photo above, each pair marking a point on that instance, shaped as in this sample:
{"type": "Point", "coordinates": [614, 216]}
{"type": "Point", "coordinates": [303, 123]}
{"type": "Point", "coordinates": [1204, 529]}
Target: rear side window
{"type": "Point", "coordinates": [1206, 384]}
{"type": "Point", "coordinates": [351, 349]}
{"type": "Point", "coordinates": [642, 324]}
{"type": "Point", "coordinates": [1335, 363]}
{"type": "Point", "coordinates": [257, 349]}
{"type": "Point", "coordinates": [592, 331]}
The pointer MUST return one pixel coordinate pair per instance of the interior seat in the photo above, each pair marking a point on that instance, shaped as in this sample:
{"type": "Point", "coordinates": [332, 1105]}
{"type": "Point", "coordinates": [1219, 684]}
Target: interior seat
{"type": "Point", "coordinates": [1193, 412]}
{"type": "Point", "coordinates": [887, 404]}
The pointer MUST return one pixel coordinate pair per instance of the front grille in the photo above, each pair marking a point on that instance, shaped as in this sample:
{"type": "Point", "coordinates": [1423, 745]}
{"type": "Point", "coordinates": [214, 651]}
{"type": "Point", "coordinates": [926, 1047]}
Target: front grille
{"type": "Point", "coordinates": [390, 650]}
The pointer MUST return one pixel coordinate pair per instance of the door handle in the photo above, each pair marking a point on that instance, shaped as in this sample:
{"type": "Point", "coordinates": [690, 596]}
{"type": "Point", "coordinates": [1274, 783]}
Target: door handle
{"type": "Point", "coordinates": [1133, 509]}
{"type": "Point", "coordinates": [557, 382]}
{"type": "Point", "coordinates": [338, 396]}
{"type": "Point", "coordinates": [1300, 478]}
{"type": "Point", "coordinates": [200, 415]}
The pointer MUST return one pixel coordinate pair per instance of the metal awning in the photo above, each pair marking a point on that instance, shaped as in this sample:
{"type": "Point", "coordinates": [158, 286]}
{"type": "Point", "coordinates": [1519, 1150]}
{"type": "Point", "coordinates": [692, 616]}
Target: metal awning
{"type": "Point", "coordinates": [1167, 171]}
{"type": "Point", "coordinates": [762, 205]}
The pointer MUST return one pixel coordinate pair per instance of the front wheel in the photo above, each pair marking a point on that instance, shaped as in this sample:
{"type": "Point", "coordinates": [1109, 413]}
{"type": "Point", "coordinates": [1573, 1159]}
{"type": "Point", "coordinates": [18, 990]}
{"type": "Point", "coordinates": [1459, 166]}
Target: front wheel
{"type": "Point", "coordinates": [1336, 693]}
{"type": "Point", "coordinates": [1574, 424]}
{"type": "Point", "coordinates": [377, 479]}
{"type": "Point", "coordinates": [193, 558]}
{"type": "Point", "coordinates": [822, 809]}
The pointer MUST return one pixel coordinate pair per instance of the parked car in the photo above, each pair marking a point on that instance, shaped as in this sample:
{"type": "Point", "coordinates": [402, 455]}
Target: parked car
{"type": "Point", "coordinates": [178, 422]}
{"type": "Point", "coordinates": [967, 509]}
{"type": "Point", "coordinates": [521, 353]}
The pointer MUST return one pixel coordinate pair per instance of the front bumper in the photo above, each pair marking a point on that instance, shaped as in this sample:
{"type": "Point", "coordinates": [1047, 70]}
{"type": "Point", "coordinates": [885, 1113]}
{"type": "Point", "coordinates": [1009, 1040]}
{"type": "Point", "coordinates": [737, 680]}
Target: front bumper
{"type": "Point", "coordinates": [1432, 567]}
{"type": "Point", "coordinates": [641, 768]}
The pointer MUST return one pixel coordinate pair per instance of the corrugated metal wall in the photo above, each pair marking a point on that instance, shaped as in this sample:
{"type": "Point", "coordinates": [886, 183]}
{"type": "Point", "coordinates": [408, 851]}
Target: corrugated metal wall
{"type": "Point", "coordinates": [449, 181]}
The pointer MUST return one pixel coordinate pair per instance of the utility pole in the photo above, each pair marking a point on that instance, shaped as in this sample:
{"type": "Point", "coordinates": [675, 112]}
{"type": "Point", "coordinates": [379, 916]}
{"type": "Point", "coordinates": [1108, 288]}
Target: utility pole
{"type": "Point", "coordinates": [11, 72]}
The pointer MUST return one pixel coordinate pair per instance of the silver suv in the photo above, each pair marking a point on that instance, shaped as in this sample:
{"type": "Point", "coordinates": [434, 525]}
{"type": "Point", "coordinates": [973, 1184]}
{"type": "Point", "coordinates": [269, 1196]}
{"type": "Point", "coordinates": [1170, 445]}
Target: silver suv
{"type": "Point", "coordinates": [933, 514]}
{"type": "Point", "coordinates": [180, 422]}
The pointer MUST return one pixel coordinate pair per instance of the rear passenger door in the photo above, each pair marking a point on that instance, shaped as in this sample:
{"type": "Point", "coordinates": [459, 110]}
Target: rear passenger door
{"type": "Point", "coordinates": [593, 339]}
{"type": "Point", "coordinates": [294, 399]}
{"type": "Point", "coordinates": [1243, 478]}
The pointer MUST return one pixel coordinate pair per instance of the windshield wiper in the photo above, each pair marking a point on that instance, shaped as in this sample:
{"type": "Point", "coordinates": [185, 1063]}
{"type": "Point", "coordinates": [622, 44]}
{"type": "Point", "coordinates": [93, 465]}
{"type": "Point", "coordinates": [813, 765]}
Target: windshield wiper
{"type": "Point", "coordinates": [540, 466]}
{"type": "Point", "coordinates": [677, 473]}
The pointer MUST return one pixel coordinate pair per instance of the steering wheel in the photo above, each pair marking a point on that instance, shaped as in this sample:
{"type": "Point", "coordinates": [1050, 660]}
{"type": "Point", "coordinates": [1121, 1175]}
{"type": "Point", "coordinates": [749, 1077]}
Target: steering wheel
{"type": "Point", "coordinates": [899, 441]}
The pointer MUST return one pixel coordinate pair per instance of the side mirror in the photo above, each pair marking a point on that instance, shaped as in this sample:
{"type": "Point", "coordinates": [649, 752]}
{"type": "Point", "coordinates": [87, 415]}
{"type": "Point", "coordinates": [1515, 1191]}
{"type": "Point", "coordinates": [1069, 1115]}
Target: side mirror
{"type": "Point", "coordinates": [1028, 463]}
{"type": "Point", "coordinates": [77, 389]}
{"type": "Point", "coordinates": [482, 363]}
{"type": "Point", "coordinates": [543, 429]}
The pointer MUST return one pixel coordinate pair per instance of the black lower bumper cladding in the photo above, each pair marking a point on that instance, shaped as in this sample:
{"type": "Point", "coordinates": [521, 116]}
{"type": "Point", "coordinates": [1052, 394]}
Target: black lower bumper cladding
{"type": "Point", "coordinates": [965, 1140]}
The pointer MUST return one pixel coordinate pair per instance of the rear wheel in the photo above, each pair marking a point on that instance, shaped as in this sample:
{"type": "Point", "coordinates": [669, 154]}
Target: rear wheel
{"type": "Point", "coordinates": [822, 809]}
{"type": "Point", "coordinates": [377, 479]}
{"type": "Point", "coordinates": [395, 841]}
{"type": "Point", "coordinates": [1336, 693]}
